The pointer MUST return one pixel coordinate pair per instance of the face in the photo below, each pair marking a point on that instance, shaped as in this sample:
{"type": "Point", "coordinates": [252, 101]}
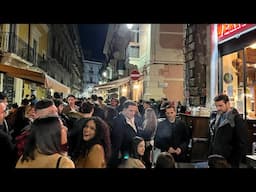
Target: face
{"type": "Point", "coordinates": [130, 111]}
{"type": "Point", "coordinates": [146, 105]}
{"type": "Point", "coordinates": [89, 131]}
{"type": "Point", "coordinates": [141, 148]}
{"type": "Point", "coordinates": [71, 101]}
{"type": "Point", "coordinates": [170, 113]}
{"type": "Point", "coordinates": [100, 101]}
{"type": "Point", "coordinates": [5, 101]}
{"type": "Point", "coordinates": [31, 113]}
{"type": "Point", "coordinates": [2, 111]}
{"type": "Point", "coordinates": [221, 106]}
{"type": "Point", "coordinates": [113, 102]}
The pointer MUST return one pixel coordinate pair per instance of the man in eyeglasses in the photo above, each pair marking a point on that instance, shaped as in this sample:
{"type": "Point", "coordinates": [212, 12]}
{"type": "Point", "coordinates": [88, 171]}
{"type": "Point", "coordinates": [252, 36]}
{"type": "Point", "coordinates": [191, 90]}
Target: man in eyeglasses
{"type": "Point", "coordinates": [172, 135]}
{"type": "Point", "coordinates": [3, 110]}
{"type": "Point", "coordinates": [7, 160]}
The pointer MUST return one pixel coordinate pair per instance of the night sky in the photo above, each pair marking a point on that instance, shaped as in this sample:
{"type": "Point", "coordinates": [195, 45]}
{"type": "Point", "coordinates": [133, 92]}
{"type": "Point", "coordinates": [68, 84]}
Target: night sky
{"type": "Point", "coordinates": [92, 40]}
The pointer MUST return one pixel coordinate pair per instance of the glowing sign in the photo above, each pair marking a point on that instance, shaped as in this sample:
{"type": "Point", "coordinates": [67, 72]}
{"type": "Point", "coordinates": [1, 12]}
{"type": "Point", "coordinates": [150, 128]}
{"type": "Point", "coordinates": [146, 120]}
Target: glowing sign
{"type": "Point", "coordinates": [229, 31]}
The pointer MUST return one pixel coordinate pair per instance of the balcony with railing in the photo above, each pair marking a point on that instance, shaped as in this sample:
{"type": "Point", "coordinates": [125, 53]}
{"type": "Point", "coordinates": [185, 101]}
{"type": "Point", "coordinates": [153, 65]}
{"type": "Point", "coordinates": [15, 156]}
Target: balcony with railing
{"type": "Point", "coordinates": [134, 50]}
{"type": "Point", "coordinates": [10, 42]}
{"type": "Point", "coordinates": [133, 53]}
{"type": "Point", "coordinates": [43, 63]}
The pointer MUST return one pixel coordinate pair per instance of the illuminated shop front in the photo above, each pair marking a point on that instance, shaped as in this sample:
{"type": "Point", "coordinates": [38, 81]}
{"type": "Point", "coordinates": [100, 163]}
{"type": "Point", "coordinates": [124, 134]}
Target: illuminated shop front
{"type": "Point", "coordinates": [237, 66]}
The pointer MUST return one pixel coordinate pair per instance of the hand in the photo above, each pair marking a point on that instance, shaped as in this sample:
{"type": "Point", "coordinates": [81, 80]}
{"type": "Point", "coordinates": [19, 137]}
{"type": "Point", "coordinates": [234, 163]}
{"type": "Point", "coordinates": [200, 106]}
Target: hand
{"type": "Point", "coordinates": [178, 151]}
{"type": "Point", "coordinates": [171, 150]}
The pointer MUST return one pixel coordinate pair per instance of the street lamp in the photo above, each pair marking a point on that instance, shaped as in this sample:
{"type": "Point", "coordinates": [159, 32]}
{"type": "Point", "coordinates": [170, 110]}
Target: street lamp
{"type": "Point", "coordinates": [131, 26]}
{"type": "Point", "coordinates": [104, 74]}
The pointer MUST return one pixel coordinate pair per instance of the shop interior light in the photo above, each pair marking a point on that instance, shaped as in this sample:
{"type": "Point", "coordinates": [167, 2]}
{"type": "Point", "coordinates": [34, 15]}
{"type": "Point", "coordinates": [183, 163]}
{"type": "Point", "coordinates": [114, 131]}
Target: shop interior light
{"type": "Point", "coordinates": [253, 46]}
{"type": "Point", "coordinates": [124, 90]}
{"type": "Point", "coordinates": [136, 86]}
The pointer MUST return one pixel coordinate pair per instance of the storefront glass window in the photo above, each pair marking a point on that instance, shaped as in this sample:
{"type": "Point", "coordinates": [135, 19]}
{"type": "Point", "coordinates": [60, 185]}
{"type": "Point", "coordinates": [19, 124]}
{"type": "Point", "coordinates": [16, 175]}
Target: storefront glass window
{"type": "Point", "coordinates": [250, 58]}
{"type": "Point", "coordinates": [232, 76]}
{"type": "Point", "coordinates": [233, 80]}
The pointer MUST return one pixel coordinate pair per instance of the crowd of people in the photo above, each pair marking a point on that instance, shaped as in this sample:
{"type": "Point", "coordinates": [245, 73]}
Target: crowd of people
{"type": "Point", "coordinates": [87, 133]}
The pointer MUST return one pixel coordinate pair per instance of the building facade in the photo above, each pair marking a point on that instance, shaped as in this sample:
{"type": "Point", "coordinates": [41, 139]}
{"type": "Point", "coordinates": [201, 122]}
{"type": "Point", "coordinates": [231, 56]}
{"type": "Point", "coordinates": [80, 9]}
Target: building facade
{"type": "Point", "coordinates": [91, 76]}
{"type": "Point", "coordinates": [155, 51]}
{"type": "Point", "coordinates": [23, 47]}
{"type": "Point", "coordinates": [39, 59]}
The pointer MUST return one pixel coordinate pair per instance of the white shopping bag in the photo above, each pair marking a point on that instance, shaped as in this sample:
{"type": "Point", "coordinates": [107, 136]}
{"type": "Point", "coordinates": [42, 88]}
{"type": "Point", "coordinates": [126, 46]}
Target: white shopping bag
{"type": "Point", "coordinates": [155, 153]}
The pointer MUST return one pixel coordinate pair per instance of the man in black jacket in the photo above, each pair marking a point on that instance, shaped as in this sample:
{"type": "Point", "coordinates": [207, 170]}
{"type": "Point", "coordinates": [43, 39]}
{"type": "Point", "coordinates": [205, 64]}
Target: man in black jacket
{"type": "Point", "coordinates": [228, 133]}
{"type": "Point", "coordinates": [172, 135]}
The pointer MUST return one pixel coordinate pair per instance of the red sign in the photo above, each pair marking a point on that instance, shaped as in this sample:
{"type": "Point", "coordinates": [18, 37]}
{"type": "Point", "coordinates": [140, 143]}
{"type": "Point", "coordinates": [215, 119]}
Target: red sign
{"type": "Point", "coordinates": [135, 75]}
{"type": "Point", "coordinates": [229, 31]}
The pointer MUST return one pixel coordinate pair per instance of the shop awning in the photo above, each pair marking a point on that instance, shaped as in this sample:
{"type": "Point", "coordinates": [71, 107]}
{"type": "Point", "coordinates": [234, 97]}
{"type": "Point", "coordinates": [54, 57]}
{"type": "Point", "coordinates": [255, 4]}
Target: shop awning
{"type": "Point", "coordinates": [34, 76]}
{"type": "Point", "coordinates": [56, 85]}
{"type": "Point", "coordinates": [23, 73]}
{"type": "Point", "coordinates": [113, 84]}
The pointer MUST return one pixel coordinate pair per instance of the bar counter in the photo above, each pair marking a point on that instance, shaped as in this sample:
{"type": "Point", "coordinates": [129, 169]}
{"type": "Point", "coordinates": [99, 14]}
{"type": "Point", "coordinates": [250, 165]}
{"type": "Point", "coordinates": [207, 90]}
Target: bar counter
{"type": "Point", "coordinates": [199, 130]}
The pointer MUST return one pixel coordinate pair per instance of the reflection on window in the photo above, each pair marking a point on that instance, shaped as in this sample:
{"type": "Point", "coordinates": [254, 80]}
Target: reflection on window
{"type": "Point", "coordinates": [232, 75]}
{"type": "Point", "coordinates": [233, 80]}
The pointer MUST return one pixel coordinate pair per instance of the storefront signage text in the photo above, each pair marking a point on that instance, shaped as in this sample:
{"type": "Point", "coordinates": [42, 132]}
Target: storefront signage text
{"type": "Point", "coordinates": [229, 31]}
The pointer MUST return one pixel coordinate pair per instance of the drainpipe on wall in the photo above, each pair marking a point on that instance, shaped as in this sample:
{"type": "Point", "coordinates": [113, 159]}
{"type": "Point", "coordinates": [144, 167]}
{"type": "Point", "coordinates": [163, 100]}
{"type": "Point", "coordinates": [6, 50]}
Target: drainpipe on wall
{"type": "Point", "coordinates": [213, 64]}
{"type": "Point", "coordinates": [28, 42]}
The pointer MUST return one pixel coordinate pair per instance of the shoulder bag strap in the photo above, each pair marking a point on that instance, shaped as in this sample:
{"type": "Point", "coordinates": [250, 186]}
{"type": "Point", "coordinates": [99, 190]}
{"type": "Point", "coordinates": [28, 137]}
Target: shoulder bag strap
{"type": "Point", "coordinates": [58, 162]}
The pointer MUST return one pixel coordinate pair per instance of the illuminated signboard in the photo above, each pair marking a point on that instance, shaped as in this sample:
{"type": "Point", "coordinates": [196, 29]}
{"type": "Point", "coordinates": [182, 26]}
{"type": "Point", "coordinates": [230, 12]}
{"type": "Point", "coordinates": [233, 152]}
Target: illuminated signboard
{"type": "Point", "coordinates": [229, 31]}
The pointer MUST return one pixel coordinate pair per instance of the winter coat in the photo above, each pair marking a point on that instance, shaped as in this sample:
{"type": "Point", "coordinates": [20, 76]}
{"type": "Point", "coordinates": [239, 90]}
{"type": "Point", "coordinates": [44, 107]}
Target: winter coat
{"type": "Point", "coordinates": [172, 135]}
{"type": "Point", "coordinates": [229, 137]}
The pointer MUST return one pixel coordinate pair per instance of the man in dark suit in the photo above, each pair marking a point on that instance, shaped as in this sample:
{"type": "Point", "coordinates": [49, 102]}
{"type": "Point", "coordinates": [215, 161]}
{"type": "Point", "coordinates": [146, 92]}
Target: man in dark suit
{"type": "Point", "coordinates": [125, 127]}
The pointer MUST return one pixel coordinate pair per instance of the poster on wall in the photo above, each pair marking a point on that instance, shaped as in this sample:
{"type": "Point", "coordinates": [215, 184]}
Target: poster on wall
{"type": "Point", "coordinates": [230, 90]}
{"type": "Point", "coordinates": [240, 103]}
{"type": "Point", "coordinates": [240, 93]}
{"type": "Point", "coordinates": [240, 107]}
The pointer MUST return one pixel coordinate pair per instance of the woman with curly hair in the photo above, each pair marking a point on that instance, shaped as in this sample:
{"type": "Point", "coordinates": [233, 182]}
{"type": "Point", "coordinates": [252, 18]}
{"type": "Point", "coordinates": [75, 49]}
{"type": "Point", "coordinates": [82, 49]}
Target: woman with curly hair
{"type": "Point", "coordinates": [93, 147]}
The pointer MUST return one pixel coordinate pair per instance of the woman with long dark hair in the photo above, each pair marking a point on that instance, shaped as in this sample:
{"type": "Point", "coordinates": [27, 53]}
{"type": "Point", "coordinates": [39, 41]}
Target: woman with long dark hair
{"type": "Point", "coordinates": [93, 148]}
{"type": "Point", "coordinates": [137, 150]}
{"type": "Point", "coordinates": [148, 133]}
{"type": "Point", "coordinates": [43, 148]}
